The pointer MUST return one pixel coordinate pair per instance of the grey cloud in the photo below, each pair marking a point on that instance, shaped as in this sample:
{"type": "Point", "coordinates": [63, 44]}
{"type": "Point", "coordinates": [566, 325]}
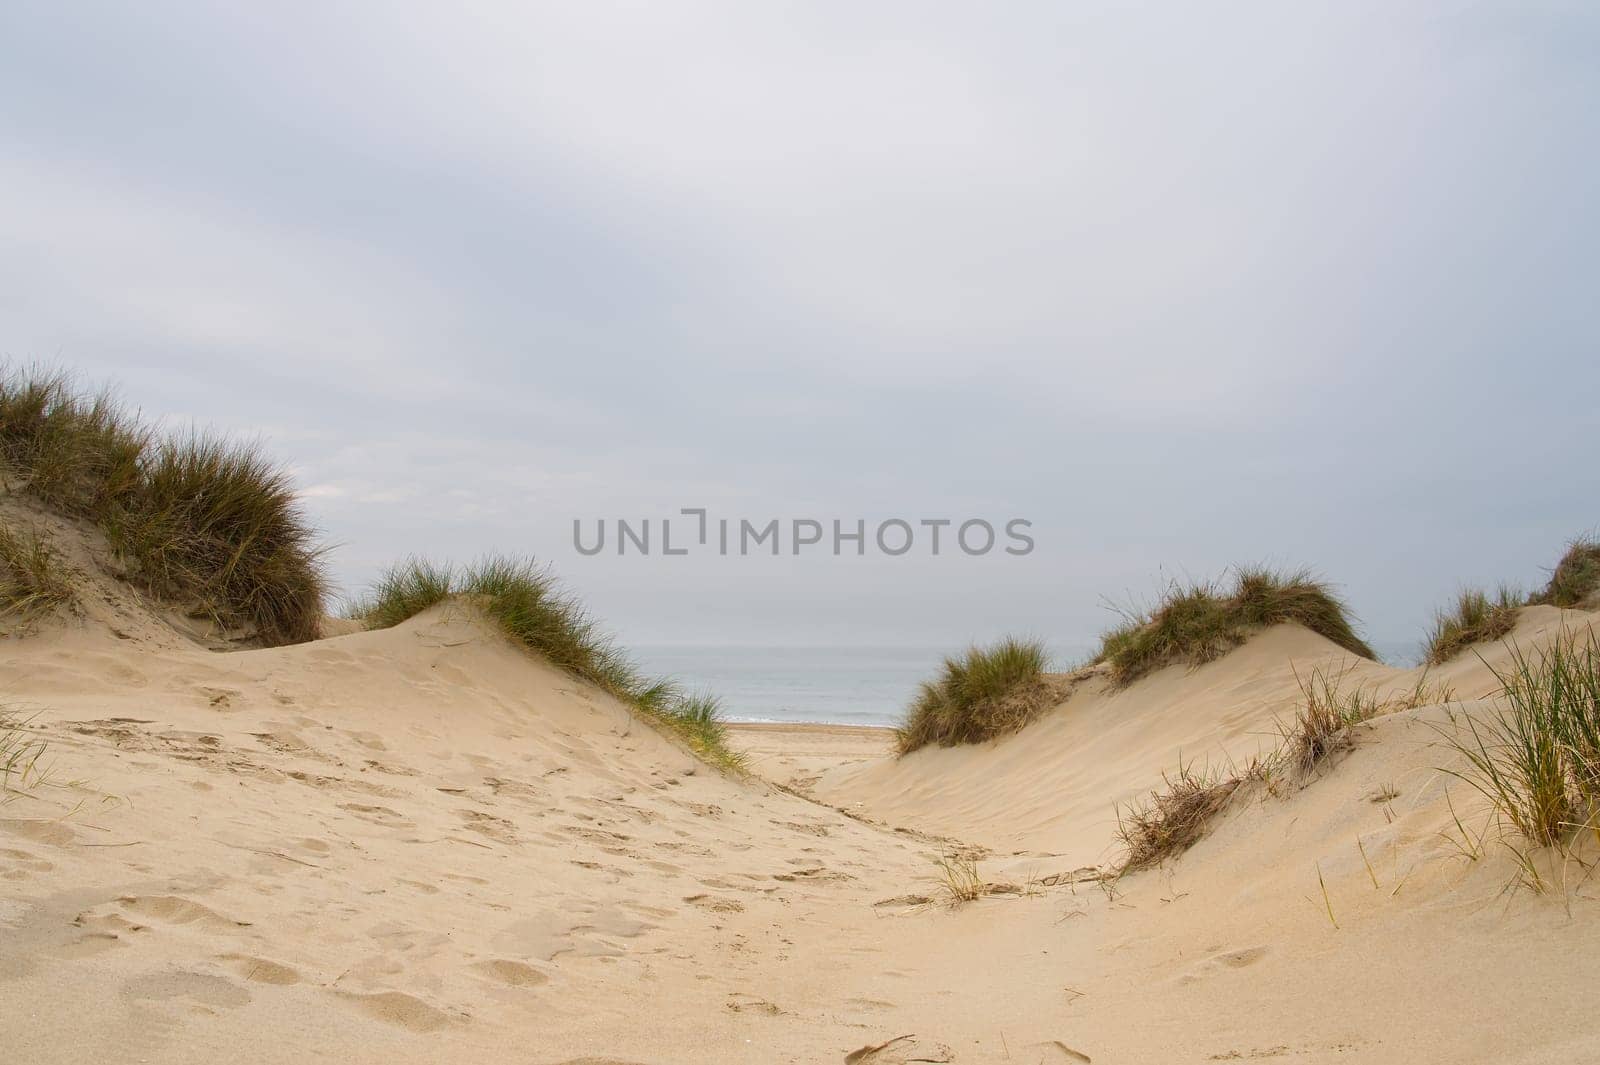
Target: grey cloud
{"type": "Point", "coordinates": [1186, 286]}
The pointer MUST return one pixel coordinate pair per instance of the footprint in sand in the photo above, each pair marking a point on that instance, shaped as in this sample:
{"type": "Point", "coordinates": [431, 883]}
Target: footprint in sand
{"type": "Point", "coordinates": [50, 833]}
{"type": "Point", "coordinates": [108, 925]}
{"type": "Point", "coordinates": [496, 828]}
{"type": "Point", "coordinates": [511, 973]}
{"type": "Point", "coordinates": [876, 1004]}
{"type": "Point", "coordinates": [219, 698]}
{"type": "Point", "coordinates": [20, 864]}
{"type": "Point", "coordinates": [378, 815]}
{"type": "Point", "coordinates": [203, 988]}
{"type": "Point", "coordinates": [398, 1008]}
{"type": "Point", "coordinates": [173, 909]}
{"type": "Point", "coordinates": [370, 740]}
{"type": "Point", "coordinates": [261, 971]}
{"type": "Point", "coordinates": [1238, 959]}
{"type": "Point", "coordinates": [738, 1002]}
{"type": "Point", "coordinates": [88, 945]}
{"type": "Point", "coordinates": [1228, 959]}
{"type": "Point", "coordinates": [713, 904]}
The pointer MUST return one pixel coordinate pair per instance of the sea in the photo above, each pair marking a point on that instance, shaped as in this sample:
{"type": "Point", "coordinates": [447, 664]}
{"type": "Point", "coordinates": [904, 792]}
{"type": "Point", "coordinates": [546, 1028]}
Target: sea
{"type": "Point", "coordinates": [833, 685]}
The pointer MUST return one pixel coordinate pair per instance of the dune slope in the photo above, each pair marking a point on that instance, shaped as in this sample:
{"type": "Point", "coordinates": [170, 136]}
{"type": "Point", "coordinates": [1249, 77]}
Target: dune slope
{"type": "Point", "coordinates": [420, 844]}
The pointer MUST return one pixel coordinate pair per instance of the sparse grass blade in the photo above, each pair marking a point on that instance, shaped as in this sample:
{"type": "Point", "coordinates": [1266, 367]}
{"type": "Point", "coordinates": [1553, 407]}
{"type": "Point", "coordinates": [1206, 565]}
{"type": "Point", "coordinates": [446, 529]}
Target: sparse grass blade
{"type": "Point", "coordinates": [1330, 708]}
{"type": "Point", "coordinates": [960, 880]}
{"type": "Point", "coordinates": [20, 752]}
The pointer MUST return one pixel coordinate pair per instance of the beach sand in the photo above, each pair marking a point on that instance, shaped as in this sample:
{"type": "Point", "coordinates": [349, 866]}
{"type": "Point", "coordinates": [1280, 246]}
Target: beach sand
{"type": "Point", "coordinates": [421, 845]}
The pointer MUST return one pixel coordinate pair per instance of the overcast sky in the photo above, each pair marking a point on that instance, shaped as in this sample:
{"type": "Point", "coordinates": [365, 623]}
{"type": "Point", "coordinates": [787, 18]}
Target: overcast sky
{"type": "Point", "coordinates": [1183, 285]}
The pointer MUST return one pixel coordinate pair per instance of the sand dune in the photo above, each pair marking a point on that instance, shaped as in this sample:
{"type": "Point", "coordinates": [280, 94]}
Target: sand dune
{"type": "Point", "coordinates": [422, 844]}
{"type": "Point", "coordinates": [1054, 787]}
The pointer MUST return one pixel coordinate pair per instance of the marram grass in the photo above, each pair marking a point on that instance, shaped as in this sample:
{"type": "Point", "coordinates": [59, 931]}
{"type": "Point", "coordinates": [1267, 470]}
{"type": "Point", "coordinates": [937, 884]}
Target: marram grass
{"type": "Point", "coordinates": [1537, 760]}
{"type": "Point", "coordinates": [205, 522]}
{"type": "Point", "coordinates": [1474, 619]}
{"type": "Point", "coordinates": [1576, 579]}
{"type": "Point", "coordinates": [33, 579]}
{"type": "Point", "coordinates": [980, 694]}
{"type": "Point", "coordinates": [1201, 622]}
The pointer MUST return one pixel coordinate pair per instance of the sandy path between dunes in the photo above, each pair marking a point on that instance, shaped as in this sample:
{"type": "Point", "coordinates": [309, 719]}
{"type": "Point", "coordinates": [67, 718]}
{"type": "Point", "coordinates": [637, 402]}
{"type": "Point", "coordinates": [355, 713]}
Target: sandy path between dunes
{"type": "Point", "coordinates": [420, 845]}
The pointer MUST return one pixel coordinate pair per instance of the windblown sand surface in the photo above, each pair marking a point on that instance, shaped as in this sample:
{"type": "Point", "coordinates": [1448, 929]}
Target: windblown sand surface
{"type": "Point", "coordinates": [419, 845]}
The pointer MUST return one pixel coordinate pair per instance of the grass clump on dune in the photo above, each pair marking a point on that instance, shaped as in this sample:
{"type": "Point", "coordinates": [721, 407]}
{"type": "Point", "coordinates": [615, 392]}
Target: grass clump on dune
{"type": "Point", "coordinates": [218, 522]}
{"type": "Point", "coordinates": [1538, 760]}
{"type": "Point", "coordinates": [1475, 619]}
{"type": "Point", "coordinates": [208, 523]}
{"type": "Point", "coordinates": [1172, 818]}
{"type": "Point", "coordinates": [527, 603]}
{"type": "Point", "coordinates": [77, 452]}
{"type": "Point", "coordinates": [403, 591]}
{"type": "Point", "coordinates": [1202, 621]}
{"type": "Point", "coordinates": [1576, 578]}
{"type": "Point", "coordinates": [32, 579]}
{"type": "Point", "coordinates": [983, 693]}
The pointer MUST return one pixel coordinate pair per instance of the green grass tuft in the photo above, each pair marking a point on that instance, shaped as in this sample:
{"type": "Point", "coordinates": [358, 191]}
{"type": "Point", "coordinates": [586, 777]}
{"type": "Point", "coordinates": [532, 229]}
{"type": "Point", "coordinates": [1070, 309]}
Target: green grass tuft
{"type": "Point", "coordinates": [33, 580]}
{"type": "Point", "coordinates": [698, 719]}
{"type": "Point", "coordinates": [1201, 622]}
{"type": "Point", "coordinates": [981, 694]}
{"type": "Point", "coordinates": [200, 520]}
{"type": "Point", "coordinates": [527, 603]}
{"type": "Point", "coordinates": [1576, 578]}
{"type": "Point", "coordinates": [1538, 760]}
{"type": "Point", "coordinates": [403, 591]}
{"type": "Point", "coordinates": [1475, 619]}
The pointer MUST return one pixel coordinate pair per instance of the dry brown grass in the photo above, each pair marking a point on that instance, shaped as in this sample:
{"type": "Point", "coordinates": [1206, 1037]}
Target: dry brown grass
{"type": "Point", "coordinates": [960, 880]}
{"type": "Point", "coordinates": [1174, 817]}
{"type": "Point", "coordinates": [1329, 710]}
